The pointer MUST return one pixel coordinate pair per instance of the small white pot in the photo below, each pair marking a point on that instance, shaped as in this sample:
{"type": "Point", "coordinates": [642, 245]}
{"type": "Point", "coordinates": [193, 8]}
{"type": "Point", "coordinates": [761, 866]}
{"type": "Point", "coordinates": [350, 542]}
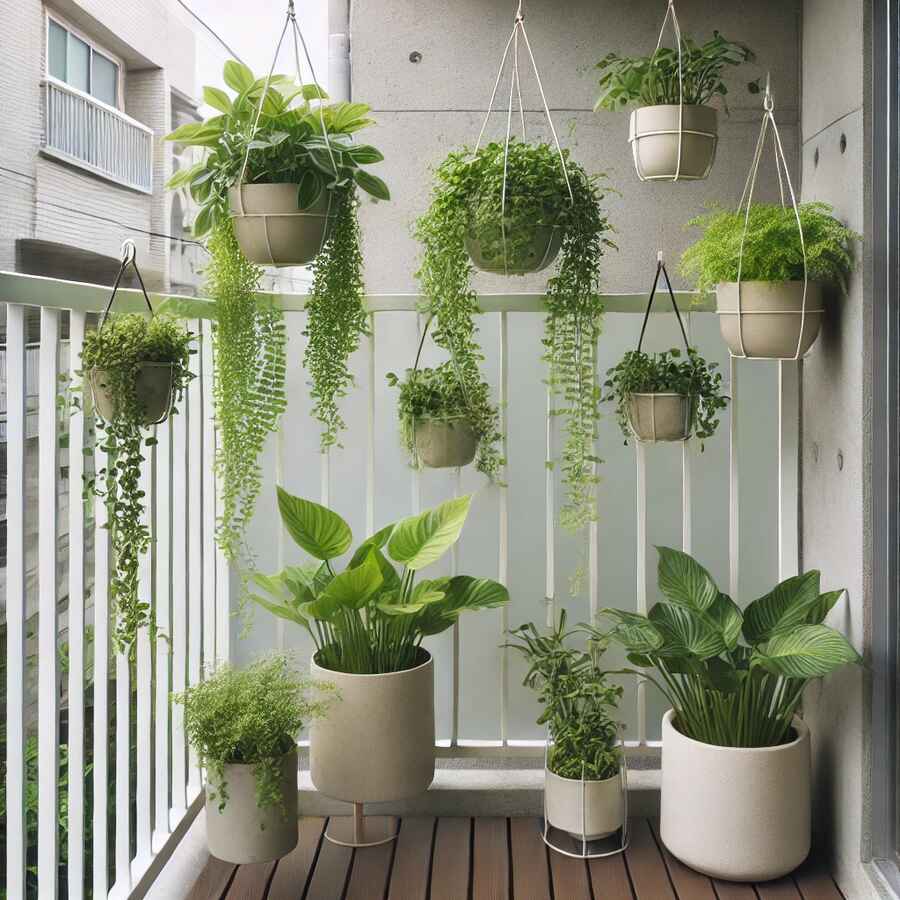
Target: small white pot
{"type": "Point", "coordinates": [588, 809]}
{"type": "Point", "coordinates": [244, 833]}
{"type": "Point", "coordinates": [742, 814]}
{"type": "Point", "coordinates": [377, 741]}
{"type": "Point", "coordinates": [771, 316]}
{"type": "Point", "coordinates": [445, 443]}
{"type": "Point", "coordinates": [653, 133]}
{"type": "Point", "coordinates": [660, 417]}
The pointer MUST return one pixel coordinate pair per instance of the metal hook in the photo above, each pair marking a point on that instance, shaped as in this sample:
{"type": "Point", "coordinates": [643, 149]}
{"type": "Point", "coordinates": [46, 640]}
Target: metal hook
{"type": "Point", "coordinates": [290, 10]}
{"type": "Point", "coordinates": [768, 99]}
{"type": "Point", "coordinates": [128, 252]}
{"type": "Point", "coordinates": [520, 13]}
{"type": "Point", "coordinates": [660, 258]}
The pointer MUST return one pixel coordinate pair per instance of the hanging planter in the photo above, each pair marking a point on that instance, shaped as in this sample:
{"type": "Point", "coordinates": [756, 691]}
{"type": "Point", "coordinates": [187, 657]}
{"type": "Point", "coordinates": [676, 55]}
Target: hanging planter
{"type": "Point", "coordinates": [152, 385]}
{"type": "Point", "coordinates": [673, 133]}
{"type": "Point", "coordinates": [445, 443]}
{"type": "Point", "coordinates": [532, 248]}
{"type": "Point", "coordinates": [769, 263]}
{"type": "Point", "coordinates": [660, 416]}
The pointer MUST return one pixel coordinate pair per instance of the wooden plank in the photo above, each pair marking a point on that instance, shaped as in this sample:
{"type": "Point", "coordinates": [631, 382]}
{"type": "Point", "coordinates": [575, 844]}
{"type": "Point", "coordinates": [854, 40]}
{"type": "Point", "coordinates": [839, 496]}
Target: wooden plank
{"type": "Point", "coordinates": [329, 876]}
{"type": "Point", "coordinates": [213, 880]}
{"type": "Point", "coordinates": [293, 871]}
{"type": "Point", "coordinates": [815, 883]}
{"type": "Point", "coordinates": [490, 864]}
{"type": "Point", "coordinates": [645, 863]}
{"type": "Point", "coordinates": [609, 878]}
{"type": "Point", "coordinates": [781, 889]}
{"type": "Point", "coordinates": [530, 866]}
{"type": "Point", "coordinates": [689, 884]}
{"type": "Point", "coordinates": [370, 872]}
{"type": "Point", "coordinates": [250, 881]}
{"type": "Point", "coordinates": [451, 860]}
{"type": "Point", "coordinates": [732, 890]}
{"type": "Point", "coordinates": [412, 860]}
{"type": "Point", "coordinates": [570, 876]}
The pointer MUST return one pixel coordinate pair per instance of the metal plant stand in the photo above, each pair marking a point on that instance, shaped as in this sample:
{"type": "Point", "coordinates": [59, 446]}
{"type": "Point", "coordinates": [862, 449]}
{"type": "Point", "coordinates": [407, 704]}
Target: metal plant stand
{"type": "Point", "coordinates": [360, 830]}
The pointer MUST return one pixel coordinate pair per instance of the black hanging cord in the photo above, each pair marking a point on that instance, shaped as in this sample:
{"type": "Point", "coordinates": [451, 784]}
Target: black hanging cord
{"type": "Point", "coordinates": [661, 268]}
{"type": "Point", "coordinates": [128, 259]}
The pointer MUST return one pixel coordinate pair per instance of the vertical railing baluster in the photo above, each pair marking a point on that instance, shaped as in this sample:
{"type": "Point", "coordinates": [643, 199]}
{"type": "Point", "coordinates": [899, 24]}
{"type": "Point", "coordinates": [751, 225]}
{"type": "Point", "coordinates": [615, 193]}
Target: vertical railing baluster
{"type": "Point", "coordinates": [370, 456]}
{"type": "Point", "coordinates": [454, 663]}
{"type": "Point", "coordinates": [123, 775]}
{"type": "Point", "coordinates": [209, 500]}
{"type": "Point", "coordinates": [686, 500]}
{"type": "Point", "coordinates": [733, 491]}
{"type": "Point", "coordinates": [503, 547]}
{"type": "Point", "coordinates": [641, 574]}
{"type": "Point", "coordinates": [550, 513]}
{"type": "Point", "coordinates": [788, 467]}
{"type": "Point", "coordinates": [593, 527]}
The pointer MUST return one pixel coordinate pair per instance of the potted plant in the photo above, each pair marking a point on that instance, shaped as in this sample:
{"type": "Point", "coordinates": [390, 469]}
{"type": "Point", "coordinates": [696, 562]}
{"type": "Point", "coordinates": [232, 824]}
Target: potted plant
{"type": "Point", "coordinates": [582, 781]}
{"type": "Point", "coordinates": [666, 396]}
{"type": "Point", "coordinates": [507, 208]}
{"type": "Point", "coordinates": [368, 623]}
{"type": "Point", "coordinates": [736, 756]}
{"type": "Point", "coordinates": [137, 368]}
{"type": "Point", "coordinates": [673, 131]}
{"type": "Point", "coordinates": [755, 262]}
{"type": "Point", "coordinates": [244, 724]}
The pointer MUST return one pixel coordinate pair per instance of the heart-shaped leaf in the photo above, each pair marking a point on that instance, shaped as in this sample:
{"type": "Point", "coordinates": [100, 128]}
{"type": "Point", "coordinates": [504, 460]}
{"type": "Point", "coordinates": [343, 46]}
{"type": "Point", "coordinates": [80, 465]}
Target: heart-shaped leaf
{"type": "Point", "coordinates": [353, 588]}
{"type": "Point", "coordinates": [319, 531]}
{"type": "Point", "coordinates": [636, 633]}
{"type": "Point", "coordinates": [371, 184]}
{"type": "Point", "coordinates": [217, 99]}
{"type": "Point", "coordinates": [463, 592]}
{"type": "Point", "coordinates": [808, 651]}
{"type": "Point", "coordinates": [237, 76]}
{"type": "Point", "coordinates": [787, 605]}
{"type": "Point", "coordinates": [686, 632]}
{"type": "Point", "coordinates": [684, 581]}
{"type": "Point", "coordinates": [421, 540]}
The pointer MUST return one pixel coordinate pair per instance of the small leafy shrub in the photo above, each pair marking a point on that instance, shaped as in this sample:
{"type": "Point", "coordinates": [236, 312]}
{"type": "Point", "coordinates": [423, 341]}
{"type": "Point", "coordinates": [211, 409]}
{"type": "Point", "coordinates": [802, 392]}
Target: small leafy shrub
{"type": "Point", "coordinates": [250, 716]}
{"type": "Point", "coordinates": [370, 618]}
{"type": "Point", "coordinates": [653, 80]}
{"type": "Point", "coordinates": [578, 702]}
{"type": "Point", "coordinates": [119, 348]}
{"type": "Point", "coordinates": [734, 679]}
{"type": "Point", "coordinates": [668, 372]}
{"type": "Point", "coordinates": [772, 249]}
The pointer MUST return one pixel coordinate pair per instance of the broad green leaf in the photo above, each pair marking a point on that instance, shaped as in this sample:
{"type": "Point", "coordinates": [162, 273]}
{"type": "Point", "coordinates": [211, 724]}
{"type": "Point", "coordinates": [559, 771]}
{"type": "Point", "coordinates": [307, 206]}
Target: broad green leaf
{"type": "Point", "coordinates": [365, 154]}
{"type": "Point", "coordinates": [319, 531]}
{"type": "Point", "coordinates": [313, 92]}
{"type": "Point", "coordinates": [808, 651]}
{"type": "Point", "coordinates": [424, 593]}
{"type": "Point", "coordinates": [636, 633]}
{"type": "Point", "coordinates": [684, 581]}
{"type": "Point", "coordinates": [787, 605]}
{"type": "Point", "coordinates": [282, 610]}
{"type": "Point", "coordinates": [237, 76]}
{"type": "Point", "coordinates": [348, 116]}
{"type": "Point", "coordinates": [203, 222]}
{"type": "Point", "coordinates": [371, 184]}
{"type": "Point", "coordinates": [183, 176]}
{"type": "Point", "coordinates": [309, 189]}
{"type": "Point", "coordinates": [463, 592]}
{"type": "Point", "coordinates": [197, 134]}
{"type": "Point", "coordinates": [723, 676]}
{"type": "Point", "coordinates": [820, 609]}
{"type": "Point", "coordinates": [686, 632]}
{"type": "Point", "coordinates": [300, 581]}
{"type": "Point", "coordinates": [421, 540]}
{"type": "Point", "coordinates": [726, 616]}
{"type": "Point", "coordinates": [217, 99]}
{"type": "Point", "coordinates": [354, 588]}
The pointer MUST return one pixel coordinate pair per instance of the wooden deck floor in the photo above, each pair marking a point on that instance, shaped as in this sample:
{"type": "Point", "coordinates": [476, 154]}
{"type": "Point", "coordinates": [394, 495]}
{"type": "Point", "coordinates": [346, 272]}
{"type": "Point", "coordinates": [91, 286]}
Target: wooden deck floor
{"type": "Point", "coordinates": [485, 859]}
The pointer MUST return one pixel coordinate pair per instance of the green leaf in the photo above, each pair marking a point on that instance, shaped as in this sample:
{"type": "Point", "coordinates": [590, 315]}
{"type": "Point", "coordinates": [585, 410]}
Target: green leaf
{"type": "Point", "coordinates": [820, 609]}
{"type": "Point", "coordinates": [313, 92]}
{"type": "Point", "coordinates": [237, 76]}
{"type": "Point", "coordinates": [636, 633]}
{"type": "Point", "coordinates": [686, 632]}
{"type": "Point", "coordinates": [463, 592]}
{"type": "Point", "coordinates": [726, 616]}
{"type": "Point", "coordinates": [808, 651]}
{"type": "Point", "coordinates": [786, 606]}
{"type": "Point", "coordinates": [684, 581]}
{"type": "Point", "coordinates": [365, 154]}
{"type": "Point", "coordinates": [353, 588]}
{"type": "Point", "coordinates": [217, 99]}
{"type": "Point", "coordinates": [319, 531]}
{"type": "Point", "coordinates": [204, 221]}
{"type": "Point", "coordinates": [421, 540]}
{"type": "Point", "coordinates": [371, 184]}
{"type": "Point", "coordinates": [282, 610]}
{"type": "Point", "coordinates": [723, 676]}
{"type": "Point", "coordinates": [309, 189]}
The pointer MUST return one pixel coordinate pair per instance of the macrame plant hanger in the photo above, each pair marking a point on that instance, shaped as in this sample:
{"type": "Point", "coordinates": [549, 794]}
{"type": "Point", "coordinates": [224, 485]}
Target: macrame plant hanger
{"type": "Point", "coordinates": [784, 178]}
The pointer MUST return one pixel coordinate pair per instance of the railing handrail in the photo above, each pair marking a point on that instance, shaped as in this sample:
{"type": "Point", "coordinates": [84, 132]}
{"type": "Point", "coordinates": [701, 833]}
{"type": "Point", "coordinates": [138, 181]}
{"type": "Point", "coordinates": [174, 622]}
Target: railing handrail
{"type": "Point", "coordinates": [49, 80]}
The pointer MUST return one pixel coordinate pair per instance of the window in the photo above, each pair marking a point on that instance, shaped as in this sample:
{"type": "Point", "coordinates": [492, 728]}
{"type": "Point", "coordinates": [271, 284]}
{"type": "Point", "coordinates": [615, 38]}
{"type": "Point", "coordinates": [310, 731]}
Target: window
{"type": "Point", "coordinates": [76, 62]}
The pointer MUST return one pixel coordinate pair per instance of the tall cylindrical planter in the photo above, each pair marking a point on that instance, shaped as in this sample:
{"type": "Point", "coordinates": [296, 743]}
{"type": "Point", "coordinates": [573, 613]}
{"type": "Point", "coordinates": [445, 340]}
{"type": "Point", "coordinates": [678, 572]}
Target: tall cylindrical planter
{"type": "Point", "coordinates": [660, 417]}
{"type": "Point", "coordinates": [524, 254]}
{"type": "Point", "coordinates": [377, 741]}
{"type": "Point", "coordinates": [152, 386]}
{"type": "Point", "coordinates": [742, 814]}
{"type": "Point", "coordinates": [445, 443]}
{"type": "Point", "coordinates": [272, 230]}
{"type": "Point", "coordinates": [587, 810]}
{"type": "Point", "coordinates": [654, 137]}
{"type": "Point", "coordinates": [771, 324]}
{"type": "Point", "coordinates": [244, 833]}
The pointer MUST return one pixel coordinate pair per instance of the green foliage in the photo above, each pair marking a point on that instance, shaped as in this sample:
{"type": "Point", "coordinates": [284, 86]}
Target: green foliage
{"type": "Point", "coordinates": [578, 703]}
{"type": "Point", "coordinates": [653, 80]}
{"type": "Point", "coordinates": [726, 691]}
{"type": "Point", "coordinates": [249, 343]}
{"type": "Point", "coordinates": [772, 248]}
{"type": "Point", "coordinates": [467, 202]}
{"type": "Point", "coordinates": [250, 716]}
{"type": "Point", "coordinates": [119, 348]}
{"type": "Point", "coordinates": [668, 372]}
{"type": "Point", "coordinates": [287, 146]}
{"type": "Point", "coordinates": [372, 618]}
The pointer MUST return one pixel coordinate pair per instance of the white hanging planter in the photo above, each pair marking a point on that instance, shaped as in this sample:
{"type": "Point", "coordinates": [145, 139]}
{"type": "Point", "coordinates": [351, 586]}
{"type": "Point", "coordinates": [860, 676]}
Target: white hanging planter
{"type": "Point", "coordinates": [445, 443]}
{"type": "Point", "coordinates": [153, 388]}
{"type": "Point", "coordinates": [672, 142]}
{"type": "Point", "coordinates": [742, 814]}
{"type": "Point", "coordinates": [535, 252]}
{"type": "Point", "coordinates": [245, 833]}
{"type": "Point", "coordinates": [660, 417]}
{"type": "Point", "coordinates": [587, 810]}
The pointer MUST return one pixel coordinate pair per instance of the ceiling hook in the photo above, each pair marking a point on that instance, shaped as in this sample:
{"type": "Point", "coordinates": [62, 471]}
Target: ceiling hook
{"type": "Point", "coordinates": [768, 99]}
{"type": "Point", "coordinates": [128, 252]}
{"type": "Point", "coordinates": [520, 13]}
{"type": "Point", "coordinates": [290, 10]}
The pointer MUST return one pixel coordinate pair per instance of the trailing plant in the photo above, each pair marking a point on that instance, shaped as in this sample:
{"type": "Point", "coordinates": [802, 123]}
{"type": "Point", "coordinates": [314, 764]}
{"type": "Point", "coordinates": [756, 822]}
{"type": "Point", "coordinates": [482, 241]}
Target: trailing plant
{"type": "Point", "coordinates": [578, 703]}
{"type": "Point", "coordinates": [372, 618]}
{"type": "Point", "coordinates": [119, 348]}
{"type": "Point", "coordinates": [467, 200]}
{"type": "Point", "coordinates": [251, 717]}
{"type": "Point", "coordinates": [653, 80]}
{"type": "Point", "coordinates": [734, 679]}
{"type": "Point", "coordinates": [668, 372]}
{"type": "Point", "coordinates": [772, 247]}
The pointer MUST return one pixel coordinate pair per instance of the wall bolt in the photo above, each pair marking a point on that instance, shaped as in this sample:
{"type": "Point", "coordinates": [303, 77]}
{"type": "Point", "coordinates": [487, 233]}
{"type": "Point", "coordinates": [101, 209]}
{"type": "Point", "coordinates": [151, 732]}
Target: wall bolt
{"type": "Point", "coordinates": [816, 157]}
{"type": "Point", "coordinates": [840, 460]}
{"type": "Point", "coordinates": [843, 143]}
{"type": "Point", "coordinates": [815, 450]}
{"type": "Point", "coordinates": [415, 57]}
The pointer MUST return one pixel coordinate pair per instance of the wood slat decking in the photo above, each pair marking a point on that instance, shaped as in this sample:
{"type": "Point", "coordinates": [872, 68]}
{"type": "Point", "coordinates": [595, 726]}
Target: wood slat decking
{"type": "Point", "coordinates": [485, 859]}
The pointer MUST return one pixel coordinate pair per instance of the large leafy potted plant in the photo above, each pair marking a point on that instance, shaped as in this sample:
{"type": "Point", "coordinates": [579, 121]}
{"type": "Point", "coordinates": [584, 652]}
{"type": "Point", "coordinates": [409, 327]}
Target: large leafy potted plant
{"type": "Point", "coordinates": [368, 623]}
{"type": "Point", "coordinates": [582, 781]}
{"type": "Point", "coordinates": [736, 756]}
{"type": "Point", "coordinates": [666, 396]}
{"type": "Point", "coordinates": [673, 131]}
{"type": "Point", "coordinates": [754, 260]}
{"type": "Point", "coordinates": [244, 725]}
{"type": "Point", "coordinates": [137, 368]}
{"type": "Point", "coordinates": [491, 209]}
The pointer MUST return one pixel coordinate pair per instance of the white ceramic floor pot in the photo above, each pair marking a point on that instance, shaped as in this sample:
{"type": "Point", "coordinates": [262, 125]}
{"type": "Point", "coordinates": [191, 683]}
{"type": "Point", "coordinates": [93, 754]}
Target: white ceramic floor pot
{"type": "Point", "coordinates": [660, 417]}
{"type": "Point", "coordinates": [377, 741]}
{"type": "Point", "coordinates": [153, 387]}
{"type": "Point", "coordinates": [742, 814]}
{"type": "Point", "coordinates": [594, 809]}
{"type": "Point", "coordinates": [272, 230]}
{"type": "Point", "coordinates": [444, 443]}
{"type": "Point", "coordinates": [653, 133]}
{"type": "Point", "coordinates": [244, 833]}
{"type": "Point", "coordinates": [771, 324]}
{"type": "Point", "coordinates": [525, 254]}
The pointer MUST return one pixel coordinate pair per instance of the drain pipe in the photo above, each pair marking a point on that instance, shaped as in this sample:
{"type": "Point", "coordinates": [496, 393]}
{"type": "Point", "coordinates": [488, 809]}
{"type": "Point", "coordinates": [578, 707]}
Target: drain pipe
{"type": "Point", "coordinates": [339, 49]}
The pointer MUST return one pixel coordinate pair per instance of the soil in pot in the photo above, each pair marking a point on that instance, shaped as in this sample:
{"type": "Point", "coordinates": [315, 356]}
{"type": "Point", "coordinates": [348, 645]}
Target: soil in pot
{"type": "Point", "coordinates": [592, 809]}
{"type": "Point", "coordinates": [523, 252]}
{"type": "Point", "coordinates": [243, 832]}
{"type": "Point", "coordinates": [153, 387]}
{"type": "Point", "coordinates": [654, 138]}
{"type": "Point", "coordinates": [272, 230]}
{"type": "Point", "coordinates": [445, 443]}
{"type": "Point", "coordinates": [660, 417]}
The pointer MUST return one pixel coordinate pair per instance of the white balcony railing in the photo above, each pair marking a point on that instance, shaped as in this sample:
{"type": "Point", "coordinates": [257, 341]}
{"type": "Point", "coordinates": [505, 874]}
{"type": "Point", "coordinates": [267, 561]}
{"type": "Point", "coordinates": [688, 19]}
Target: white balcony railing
{"type": "Point", "coordinates": [83, 131]}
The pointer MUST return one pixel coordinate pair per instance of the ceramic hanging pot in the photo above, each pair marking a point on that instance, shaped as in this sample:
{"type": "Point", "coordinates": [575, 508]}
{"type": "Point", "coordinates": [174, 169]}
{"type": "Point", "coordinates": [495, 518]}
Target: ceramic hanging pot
{"type": "Point", "coordinates": [658, 139]}
{"type": "Point", "coordinates": [660, 417]}
{"type": "Point", "coordinates": [445, 443]}
{"type": "Point", "coordinates": [152, 386]}
{"type": "Point", "coordinates": [530, 250]}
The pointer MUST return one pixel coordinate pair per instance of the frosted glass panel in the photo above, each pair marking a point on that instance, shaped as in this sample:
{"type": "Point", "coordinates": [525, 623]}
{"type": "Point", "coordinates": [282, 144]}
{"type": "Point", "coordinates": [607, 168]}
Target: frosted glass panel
{"type": "Point", "coordinates": [57, 40]}
{"type": "Point", "coordinates": [78, 66]}
{"type": "Point", "coordinates": [104, 76]}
